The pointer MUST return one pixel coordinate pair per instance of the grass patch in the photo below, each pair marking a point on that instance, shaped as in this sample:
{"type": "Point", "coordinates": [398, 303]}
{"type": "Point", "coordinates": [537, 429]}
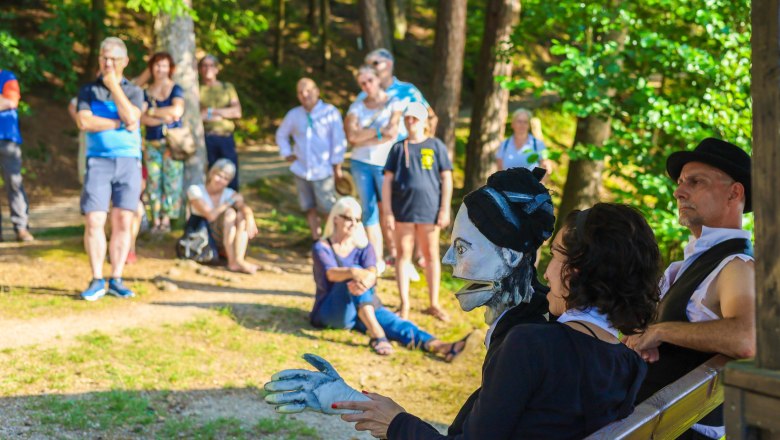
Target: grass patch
{"type": "Point", "coordinates": [233, 428]}
{"type": "Point", "coordinates": [101, 411]}
{"type": "Point", "coordinates": [31, 303]}
{"type": "Point", "coordinates": [61, 232]}
{"type": "Point", "coordinates": [286, 428]}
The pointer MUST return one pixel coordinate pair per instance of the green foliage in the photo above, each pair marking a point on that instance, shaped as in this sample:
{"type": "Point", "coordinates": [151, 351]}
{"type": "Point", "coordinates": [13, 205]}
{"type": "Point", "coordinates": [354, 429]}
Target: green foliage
{"type": "Point", "coordinates": [667, 72]}
{"type": "Point", "coordinates": [222, 25]}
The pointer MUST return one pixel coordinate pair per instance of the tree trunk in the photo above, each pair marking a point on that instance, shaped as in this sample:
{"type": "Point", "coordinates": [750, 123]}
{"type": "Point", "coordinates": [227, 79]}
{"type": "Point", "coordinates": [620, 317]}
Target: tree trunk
{"type": "Point", "coordinates": [448, 50]}
{"type": "Point", "coordinates": [177, 37]}
{"type": "Point", "coordinates": [373, 21]}
{"type": "Point", "coordinates": [281, 24]}
{"type": "Point", "coordinates": [324, 34]}
{"type": "Point", "coordinates": [313, 17]}
{"type": "Point", "coordinates": [97, 15]}
{"type": "Point", "coordinates": [583, 181]}
{"type": "Point", "coordinates": [490, 99]}
{"type": "Point", "coordinates": [396, 13]}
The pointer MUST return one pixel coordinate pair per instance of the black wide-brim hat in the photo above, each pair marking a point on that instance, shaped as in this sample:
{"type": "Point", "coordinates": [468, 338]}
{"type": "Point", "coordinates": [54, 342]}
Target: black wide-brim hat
{"type": "Point", "coordinates": [720, 154]}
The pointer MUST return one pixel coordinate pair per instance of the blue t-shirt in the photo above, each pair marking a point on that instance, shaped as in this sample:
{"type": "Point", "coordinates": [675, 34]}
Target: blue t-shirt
{"type": "Point", "coordinates": [417, 179]}
{"type": "Point", "coordinates": [9, 118]}
{"type": "Point", "coordinates": [406, 93]}
{"type": "Point", "coordinates": [526, 157]}
{"type": "Point", "coordinates": [156, 133]}
{"type": "Point", "coordinates": [324, 259]}
{"type": "Point", "coordinates": [115, 142]}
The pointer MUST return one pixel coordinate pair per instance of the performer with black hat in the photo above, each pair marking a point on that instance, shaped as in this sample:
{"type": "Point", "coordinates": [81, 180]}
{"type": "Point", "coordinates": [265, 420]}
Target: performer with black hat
{"type": "Point", "coordinates": [709, 296]}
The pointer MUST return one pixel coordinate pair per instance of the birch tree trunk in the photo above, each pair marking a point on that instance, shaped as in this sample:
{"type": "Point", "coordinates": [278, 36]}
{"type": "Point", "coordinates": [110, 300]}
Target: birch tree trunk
{"type": "Point", "coordinates": [177, 37]}
{"type": "Point", "coordinates": [488, 117]}
{"type": "Point", "coordinates": [448, 51]}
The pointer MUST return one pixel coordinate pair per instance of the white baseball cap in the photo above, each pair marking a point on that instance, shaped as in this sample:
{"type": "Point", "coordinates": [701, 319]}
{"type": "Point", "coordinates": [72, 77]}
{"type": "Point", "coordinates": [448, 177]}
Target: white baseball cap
{"type": "Point", "coordinates": [418, 110]}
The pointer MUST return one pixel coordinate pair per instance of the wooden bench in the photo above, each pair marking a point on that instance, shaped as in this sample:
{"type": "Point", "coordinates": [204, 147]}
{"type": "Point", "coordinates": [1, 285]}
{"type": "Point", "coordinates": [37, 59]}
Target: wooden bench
{"type": "Point", "coordinates": [674, 409]}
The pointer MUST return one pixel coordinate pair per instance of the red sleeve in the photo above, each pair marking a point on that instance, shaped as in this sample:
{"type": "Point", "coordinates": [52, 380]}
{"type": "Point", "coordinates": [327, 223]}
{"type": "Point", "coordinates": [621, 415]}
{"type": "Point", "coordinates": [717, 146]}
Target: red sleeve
{"type": "Point", "coordinates": [11, 91]}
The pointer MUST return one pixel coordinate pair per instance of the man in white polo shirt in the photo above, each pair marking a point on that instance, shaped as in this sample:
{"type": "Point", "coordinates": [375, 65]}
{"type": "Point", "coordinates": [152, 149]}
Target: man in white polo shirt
{"type": "Point", "coordinates": [319, 143]}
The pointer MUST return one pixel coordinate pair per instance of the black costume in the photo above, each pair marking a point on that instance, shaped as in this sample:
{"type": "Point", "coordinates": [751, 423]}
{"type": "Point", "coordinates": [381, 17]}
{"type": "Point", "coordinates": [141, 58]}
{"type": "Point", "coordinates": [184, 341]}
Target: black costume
{"type": "Point", "coordinates": [531, 391]}
{"type": "Point", "coordinates": [674, 361]}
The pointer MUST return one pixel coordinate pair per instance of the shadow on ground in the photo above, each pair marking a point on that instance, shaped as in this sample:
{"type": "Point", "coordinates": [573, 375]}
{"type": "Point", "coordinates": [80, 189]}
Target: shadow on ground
{"type": "Point", "coordinates": [163, 414]}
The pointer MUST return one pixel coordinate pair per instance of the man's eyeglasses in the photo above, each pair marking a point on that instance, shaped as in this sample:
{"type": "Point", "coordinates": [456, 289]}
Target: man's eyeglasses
{"type": "Point", "coordinates": [114, 60]}
{"type": "Point", "coordinates": [347, 218]}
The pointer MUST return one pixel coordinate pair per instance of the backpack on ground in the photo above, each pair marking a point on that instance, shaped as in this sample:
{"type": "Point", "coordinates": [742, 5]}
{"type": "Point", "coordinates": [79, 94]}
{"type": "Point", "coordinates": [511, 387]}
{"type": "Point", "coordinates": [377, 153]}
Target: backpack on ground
{"type": "Point", "coordinates": [196, 244]}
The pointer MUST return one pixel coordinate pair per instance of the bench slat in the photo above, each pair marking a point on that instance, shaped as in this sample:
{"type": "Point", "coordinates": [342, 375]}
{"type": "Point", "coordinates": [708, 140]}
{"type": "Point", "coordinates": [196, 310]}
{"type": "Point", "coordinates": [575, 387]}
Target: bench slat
{"type": "Point", "coordinates": [674, 409]}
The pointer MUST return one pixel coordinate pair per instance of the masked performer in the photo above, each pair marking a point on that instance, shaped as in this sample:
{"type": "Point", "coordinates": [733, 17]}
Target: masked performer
{"type": "Point", "coordinates": [539, 380]}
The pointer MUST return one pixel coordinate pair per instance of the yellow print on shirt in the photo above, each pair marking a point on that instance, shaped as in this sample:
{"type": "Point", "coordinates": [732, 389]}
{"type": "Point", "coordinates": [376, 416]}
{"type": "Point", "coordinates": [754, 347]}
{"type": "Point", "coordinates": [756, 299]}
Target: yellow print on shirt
{"type": "Point", "coordinates": [426, 158]}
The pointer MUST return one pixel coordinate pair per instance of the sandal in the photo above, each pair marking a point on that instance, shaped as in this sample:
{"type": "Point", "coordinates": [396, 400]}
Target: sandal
{"type": "Point", "coordinates": [437, 313]}
{"type": "Point", "coordinates": [454, 352]}
{"type": "Point", "coordinates": [381, 346]}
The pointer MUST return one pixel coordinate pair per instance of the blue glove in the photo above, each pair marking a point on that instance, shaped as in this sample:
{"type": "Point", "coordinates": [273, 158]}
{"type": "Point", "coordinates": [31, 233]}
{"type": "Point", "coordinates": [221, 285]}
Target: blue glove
{"type": "Point", "coordinates": [293, 391]}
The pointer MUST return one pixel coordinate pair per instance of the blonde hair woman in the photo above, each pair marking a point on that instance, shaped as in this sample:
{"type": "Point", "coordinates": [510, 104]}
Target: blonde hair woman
{"type": "Point", "coordinates": [525, 147]}
{"type": "Point", "coordinates": [371, 126]}
{"type": "Point", "coordinates": [345, 275]}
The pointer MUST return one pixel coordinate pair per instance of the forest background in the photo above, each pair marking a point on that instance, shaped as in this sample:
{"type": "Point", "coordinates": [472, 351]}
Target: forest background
{"type": "Point", "coordinates": [618, 85]}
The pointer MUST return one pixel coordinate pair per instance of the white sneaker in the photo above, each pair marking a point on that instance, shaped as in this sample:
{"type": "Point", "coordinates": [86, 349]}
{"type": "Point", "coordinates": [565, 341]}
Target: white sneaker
{"type": "Point", "coordinates": [411, 272]}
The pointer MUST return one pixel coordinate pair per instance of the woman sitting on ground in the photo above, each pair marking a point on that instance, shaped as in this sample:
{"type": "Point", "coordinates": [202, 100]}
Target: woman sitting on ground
{"type": "Point", "coordinates": [345, 275]}
{"type": "Point", "coordinates": [231, 221]}
{"type": "Point", "coordinates": [565, 379]}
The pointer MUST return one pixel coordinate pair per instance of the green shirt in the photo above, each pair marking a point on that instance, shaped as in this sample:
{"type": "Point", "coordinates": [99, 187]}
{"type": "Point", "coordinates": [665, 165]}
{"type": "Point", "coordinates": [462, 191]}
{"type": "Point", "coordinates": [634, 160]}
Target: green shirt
{"type": "Point", "coordinates": [219, 95]}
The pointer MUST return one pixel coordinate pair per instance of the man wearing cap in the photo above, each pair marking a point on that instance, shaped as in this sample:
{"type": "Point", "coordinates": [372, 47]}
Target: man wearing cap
{"type": "Point", "coordinates": [382, 60]}
{"type": "Point", "coordinates": [708, 298]}
{"type": "Point", "coordinates": [316, 154]}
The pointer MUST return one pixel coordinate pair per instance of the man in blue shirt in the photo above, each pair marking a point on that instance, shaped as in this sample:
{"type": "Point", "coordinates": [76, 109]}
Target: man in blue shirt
{"type": "Point", "coordinates": [109, 110]}
{"type": "Point", "coordinates": [382, 60]}
{"type": "Point", "coordinates": [11, 154]}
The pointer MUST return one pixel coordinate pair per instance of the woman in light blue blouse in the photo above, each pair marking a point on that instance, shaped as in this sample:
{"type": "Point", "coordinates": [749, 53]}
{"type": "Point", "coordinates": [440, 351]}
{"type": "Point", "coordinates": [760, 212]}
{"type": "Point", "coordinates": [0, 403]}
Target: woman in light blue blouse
{"type": "Point", "coordinates": [522, 149]}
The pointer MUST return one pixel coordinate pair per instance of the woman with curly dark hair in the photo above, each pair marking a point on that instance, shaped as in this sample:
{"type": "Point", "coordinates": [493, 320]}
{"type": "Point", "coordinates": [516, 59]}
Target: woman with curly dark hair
{"type": "Point", "coordinates": [564, 379]}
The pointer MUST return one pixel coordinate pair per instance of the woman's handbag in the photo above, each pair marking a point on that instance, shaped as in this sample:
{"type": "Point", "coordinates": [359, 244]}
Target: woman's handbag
{"type": "Point", "coordinates": [179, 140]}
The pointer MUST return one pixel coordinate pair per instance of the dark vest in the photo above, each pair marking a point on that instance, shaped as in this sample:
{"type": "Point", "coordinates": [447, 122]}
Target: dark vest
{"type": "Point", "coordinates": [674, 361]}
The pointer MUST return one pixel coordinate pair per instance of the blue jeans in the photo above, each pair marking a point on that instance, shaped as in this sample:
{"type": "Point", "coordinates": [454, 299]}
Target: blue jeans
{"type": "Point", "coordinates": [217, 147]}
{"type": "Point", "coordinates": [340, 310]}
{"type": "Point", "coordinates": [368, 179]}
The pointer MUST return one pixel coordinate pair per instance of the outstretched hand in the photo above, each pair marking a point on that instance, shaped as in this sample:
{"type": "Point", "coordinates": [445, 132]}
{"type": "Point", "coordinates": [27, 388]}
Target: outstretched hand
{"type": "Point", "coordinates": [373, 415]}
{"type": "Point", "coordinates": [293, 391]}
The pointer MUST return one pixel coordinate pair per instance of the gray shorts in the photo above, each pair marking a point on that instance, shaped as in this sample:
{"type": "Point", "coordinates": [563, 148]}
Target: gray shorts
{"type": "Point", "coordinates": [320, 194]}
{"type": "Point", "coordinates": [111, 179]}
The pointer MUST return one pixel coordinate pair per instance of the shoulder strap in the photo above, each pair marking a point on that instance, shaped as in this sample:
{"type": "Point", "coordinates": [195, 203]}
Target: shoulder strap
{"type": "Point", "coordinates": [406, 152]}
{"type": "Point", "coordinates": [533, 143]}
{"type": "Point", "coordinates": [675, 302]}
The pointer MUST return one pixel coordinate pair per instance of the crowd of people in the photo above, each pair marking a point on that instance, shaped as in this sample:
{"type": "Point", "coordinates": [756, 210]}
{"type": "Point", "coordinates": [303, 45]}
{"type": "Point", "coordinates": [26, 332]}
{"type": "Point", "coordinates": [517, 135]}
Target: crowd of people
{"type": "Point", "coordinates": [403, 182]}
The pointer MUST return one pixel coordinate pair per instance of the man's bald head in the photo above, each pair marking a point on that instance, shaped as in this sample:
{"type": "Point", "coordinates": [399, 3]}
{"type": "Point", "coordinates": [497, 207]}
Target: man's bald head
{"type": "Point", "coordinates": [308, 93]}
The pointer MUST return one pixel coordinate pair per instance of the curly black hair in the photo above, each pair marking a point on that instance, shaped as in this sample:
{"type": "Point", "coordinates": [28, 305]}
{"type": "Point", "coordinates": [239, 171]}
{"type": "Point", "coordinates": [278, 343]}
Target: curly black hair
{"type": "Point", "coordinates": [612, 262]}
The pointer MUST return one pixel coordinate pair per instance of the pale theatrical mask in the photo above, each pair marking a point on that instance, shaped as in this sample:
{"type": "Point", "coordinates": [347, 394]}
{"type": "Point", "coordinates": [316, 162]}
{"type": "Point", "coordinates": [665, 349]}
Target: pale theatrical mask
{"type": "Point", "coordinates": [483, 266]}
